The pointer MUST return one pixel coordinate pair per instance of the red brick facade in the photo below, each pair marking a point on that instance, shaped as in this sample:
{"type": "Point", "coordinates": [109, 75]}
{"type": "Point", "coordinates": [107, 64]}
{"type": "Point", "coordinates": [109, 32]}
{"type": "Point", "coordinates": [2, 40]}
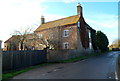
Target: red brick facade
{"type": "Point", "coordinates": [57, 34]}
{"type": "Point", "coordinates": [55, 30]}
{"type": "Point", "coordinates": [53, 33]}
{"type": "Point", "coordinates": [84, 34]}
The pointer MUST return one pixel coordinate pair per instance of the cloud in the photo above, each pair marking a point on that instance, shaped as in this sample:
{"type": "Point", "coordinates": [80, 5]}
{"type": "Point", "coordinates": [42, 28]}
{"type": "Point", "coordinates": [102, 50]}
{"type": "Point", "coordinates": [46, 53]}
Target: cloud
{"type": "Point", "coordinates": [103, 20]}
{"type": "Point", "coordinates": [107, 23]}
{"type": "Point", "coordinates": [51, 17]}
{"type": "Point", "coordinates": [68, 1]}
{"type": "Point", "coordinates": [18, 14]}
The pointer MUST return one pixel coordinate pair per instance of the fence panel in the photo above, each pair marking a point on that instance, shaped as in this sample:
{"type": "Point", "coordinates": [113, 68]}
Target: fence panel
{"type": "Point", "coordinates": [15, 60]}
{"type": "Point", "coordinates": [6, 61]}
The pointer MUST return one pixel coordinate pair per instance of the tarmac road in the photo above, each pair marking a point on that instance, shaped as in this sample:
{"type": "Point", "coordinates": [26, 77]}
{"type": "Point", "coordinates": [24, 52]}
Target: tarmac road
{"type": "Point", "coordinates": [98, 67]}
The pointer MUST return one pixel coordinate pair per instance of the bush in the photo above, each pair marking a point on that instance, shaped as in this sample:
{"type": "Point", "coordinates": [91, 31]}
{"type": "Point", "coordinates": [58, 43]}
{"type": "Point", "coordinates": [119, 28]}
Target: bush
{"type": "Point", "coordinates": [93, 37]}
{"type": "Point", "coordinates": [102, 41]}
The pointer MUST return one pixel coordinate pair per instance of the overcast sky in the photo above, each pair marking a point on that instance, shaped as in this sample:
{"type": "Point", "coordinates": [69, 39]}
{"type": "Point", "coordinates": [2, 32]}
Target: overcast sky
{"type": "Point", "coordinates": [21, 14]}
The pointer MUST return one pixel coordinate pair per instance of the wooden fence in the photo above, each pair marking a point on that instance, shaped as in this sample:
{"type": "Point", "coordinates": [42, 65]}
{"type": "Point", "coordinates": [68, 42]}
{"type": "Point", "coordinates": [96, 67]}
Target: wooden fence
{"type": "Point", "coordinates": [15, 60]}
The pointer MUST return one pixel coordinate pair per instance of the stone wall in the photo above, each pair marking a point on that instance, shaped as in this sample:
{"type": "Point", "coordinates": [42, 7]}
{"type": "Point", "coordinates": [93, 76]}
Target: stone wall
{"type": "Point", "coordinates": [64, 54]}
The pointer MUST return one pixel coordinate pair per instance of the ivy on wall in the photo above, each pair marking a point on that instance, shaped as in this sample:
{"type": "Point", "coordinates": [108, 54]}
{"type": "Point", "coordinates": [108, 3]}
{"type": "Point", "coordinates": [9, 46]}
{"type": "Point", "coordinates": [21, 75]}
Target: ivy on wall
{"type": "Point", "coordinates": [93, 39]}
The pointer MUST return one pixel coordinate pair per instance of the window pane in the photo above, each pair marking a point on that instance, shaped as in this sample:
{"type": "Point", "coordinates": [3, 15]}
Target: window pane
{"type": "Point", "coordinates": [66, 45]}
{"type": "Point", "coordinates": [65, 33]}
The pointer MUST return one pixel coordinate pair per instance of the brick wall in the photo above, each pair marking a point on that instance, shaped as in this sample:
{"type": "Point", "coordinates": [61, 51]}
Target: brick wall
{"type": "Point", "coordinates": [56, 34]}
{"type": "Point", "coordinates": [71, 38]}
{"type": "Point", "coordinates": [64, 54]}
{"type": "Point", "coordinates": [51, 35]}
{"type": "Point", "coordinates": [84, 34]}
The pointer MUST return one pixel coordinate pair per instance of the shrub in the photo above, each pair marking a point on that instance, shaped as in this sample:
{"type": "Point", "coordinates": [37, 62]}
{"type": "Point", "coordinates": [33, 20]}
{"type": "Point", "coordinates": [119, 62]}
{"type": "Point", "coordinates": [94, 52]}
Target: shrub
{"type": "Point", "coordinates": [102, 41]}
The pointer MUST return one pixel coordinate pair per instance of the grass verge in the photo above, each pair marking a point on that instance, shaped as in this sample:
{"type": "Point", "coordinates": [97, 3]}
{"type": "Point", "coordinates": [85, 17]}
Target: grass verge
{"type": "Point", "coordinates": [79, 58]}
{"type": "Point", "coordinates": [14, 73]}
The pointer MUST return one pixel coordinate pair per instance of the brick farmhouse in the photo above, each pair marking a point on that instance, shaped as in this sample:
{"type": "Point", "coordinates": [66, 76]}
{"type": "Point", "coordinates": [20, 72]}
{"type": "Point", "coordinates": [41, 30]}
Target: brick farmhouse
{"type": "Point", "coordinates": [67, 33]}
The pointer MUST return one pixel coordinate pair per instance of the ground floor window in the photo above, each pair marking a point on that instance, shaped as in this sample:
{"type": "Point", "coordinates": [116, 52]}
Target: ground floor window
{"type": "Point", "coordinates": [66, 45]}
{"type": "Point", "coordinates": [90, 45]}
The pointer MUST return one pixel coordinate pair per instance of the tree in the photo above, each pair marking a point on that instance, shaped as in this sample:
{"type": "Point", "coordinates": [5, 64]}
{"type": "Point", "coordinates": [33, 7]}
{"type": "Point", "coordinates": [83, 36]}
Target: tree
{"type": "Point", "coordinates": [27, 40]}
{"type": "Point", "coordinates": [51, 40]}
{"type": "Point", "coordinates": [23, 38]}
{"type": "Point", "coordinates": [102, 41]}
{"type": "Point", "coordinates": [93, 37]}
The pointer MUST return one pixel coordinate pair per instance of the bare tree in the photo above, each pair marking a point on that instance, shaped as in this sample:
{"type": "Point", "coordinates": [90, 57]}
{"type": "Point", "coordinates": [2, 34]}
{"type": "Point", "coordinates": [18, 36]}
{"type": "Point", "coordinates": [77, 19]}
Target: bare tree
{"type": "Point", "coordinates": [51, 39]}
{"type": "Point", "coordinates": [28, 40]}
{"type": "Point", "coordinates": [22, 38]}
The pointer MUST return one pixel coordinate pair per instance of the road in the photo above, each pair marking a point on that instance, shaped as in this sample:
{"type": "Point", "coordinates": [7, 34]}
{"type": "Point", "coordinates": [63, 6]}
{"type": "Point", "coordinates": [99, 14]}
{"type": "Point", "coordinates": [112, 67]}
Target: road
{"type": "Point", "coordinates": [98, 67]}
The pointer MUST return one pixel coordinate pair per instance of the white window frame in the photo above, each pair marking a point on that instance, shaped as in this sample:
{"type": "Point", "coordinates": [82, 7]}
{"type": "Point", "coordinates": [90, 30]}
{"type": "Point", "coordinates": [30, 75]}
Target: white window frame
{"type": "Point", "coordinates": [66, 43]}
{"type": "Point", "coordinates": [90, 41]}
{"type": "Point", "coordinates": [40, 35]}
{"type": "Point", "coordinates": [65, 33]}
{"type": "Point", "coordinates": [89, 34]}
{"type": "Point", "coordinates": [90, 45]}
{"type": "Point", "coordinates": [78, 24]}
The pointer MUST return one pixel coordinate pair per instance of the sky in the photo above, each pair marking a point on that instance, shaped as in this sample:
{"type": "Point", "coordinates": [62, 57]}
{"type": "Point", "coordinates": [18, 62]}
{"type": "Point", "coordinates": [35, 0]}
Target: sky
{"type": "Point", "coordinates": [22, 14]}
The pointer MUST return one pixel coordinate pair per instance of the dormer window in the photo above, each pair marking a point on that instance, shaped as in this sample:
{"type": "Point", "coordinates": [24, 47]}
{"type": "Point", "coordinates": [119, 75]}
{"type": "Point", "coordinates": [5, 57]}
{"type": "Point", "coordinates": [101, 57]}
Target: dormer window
{"type": "Point", "coordinates": [78, 23]}
{"type": "Point", "coordinates": [65, 33]}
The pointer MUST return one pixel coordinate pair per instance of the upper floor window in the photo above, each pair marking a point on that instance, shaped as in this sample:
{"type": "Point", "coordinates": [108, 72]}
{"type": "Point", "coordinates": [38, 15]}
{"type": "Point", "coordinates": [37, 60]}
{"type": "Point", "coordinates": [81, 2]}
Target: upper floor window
{"type": "Point", "coordinates": [78, 23]}
{"type": "Point", "coordinates": [90, 45]}
{"type": "Point", "coordinates": [40, 35]}
{"type": "Point", "coordinates": [65, 33]}
{"type": "Point", "coordinates": [89, 33]}
{"type": "Point", "coordinates": [66, 45]}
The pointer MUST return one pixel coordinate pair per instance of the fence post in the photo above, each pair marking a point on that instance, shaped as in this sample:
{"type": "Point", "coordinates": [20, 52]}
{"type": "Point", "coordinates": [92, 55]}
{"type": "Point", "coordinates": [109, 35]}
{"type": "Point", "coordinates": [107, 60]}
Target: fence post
{"type": "Point", "coordinates": [0, 60]}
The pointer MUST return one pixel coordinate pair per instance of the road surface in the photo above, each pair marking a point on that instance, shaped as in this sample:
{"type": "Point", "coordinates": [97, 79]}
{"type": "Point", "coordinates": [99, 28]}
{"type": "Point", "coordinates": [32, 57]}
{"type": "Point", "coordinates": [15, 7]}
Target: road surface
{"type": "Point", "coordinates": [98, 67]}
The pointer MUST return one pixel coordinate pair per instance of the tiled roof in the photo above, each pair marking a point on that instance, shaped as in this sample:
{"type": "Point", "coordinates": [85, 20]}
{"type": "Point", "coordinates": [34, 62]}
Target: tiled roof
{"type": "Point", "coordinates": [14, 37]}
{"type": "Point", "coordinates": [59, 22]}
{"type": "Point", "coordinates": [11, 38]}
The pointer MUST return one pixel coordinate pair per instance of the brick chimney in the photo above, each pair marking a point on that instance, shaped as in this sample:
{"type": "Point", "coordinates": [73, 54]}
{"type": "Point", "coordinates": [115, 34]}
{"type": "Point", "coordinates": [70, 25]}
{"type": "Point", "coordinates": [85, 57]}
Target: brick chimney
{"type": "Point", "coordinates": [79, 9]}
{"type": "Point", "coordinates": [42, 20]}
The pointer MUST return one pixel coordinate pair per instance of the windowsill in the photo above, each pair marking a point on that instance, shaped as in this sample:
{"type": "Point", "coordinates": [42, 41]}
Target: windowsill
{"type": "Point", "coordinates": [65, 36]}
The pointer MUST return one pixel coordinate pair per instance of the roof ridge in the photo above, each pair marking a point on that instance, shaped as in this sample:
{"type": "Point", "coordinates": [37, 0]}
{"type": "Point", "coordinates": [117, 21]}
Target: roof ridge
{"type": "Point", "coordinates": [59, 22]}
{"type": "Point", "coordinates": [59, 19]}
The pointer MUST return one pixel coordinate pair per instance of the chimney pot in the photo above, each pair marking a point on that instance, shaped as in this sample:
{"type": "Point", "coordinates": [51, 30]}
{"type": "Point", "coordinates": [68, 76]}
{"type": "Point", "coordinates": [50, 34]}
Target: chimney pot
{"type": "Point", "coordinates": [79, 9]}
{"type": "Point", "coordinates": [42, 20]}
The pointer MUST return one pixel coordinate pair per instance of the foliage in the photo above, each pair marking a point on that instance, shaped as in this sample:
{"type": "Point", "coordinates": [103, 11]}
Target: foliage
{"type": "Point", "coordinates": [102, 41]}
